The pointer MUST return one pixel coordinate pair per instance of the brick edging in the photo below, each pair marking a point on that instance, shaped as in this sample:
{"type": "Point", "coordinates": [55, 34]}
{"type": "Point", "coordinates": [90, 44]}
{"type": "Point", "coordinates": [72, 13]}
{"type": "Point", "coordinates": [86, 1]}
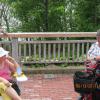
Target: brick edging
{"type": "Point", "coordinates": [66, 70]}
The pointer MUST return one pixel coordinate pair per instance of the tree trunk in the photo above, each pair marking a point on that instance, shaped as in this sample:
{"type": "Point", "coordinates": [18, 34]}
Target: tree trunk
{"type": "Point", "coordinates": [7, 23]}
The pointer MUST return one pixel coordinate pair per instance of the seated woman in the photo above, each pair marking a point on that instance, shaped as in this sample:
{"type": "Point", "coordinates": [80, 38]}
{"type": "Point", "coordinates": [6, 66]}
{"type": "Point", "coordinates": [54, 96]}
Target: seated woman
{"type": "Point", "coordinates": [6, 91]}
{"type": "Point", "coordinates": [8, 66]}
{"type": "Point", "coordinates": [94, 51]}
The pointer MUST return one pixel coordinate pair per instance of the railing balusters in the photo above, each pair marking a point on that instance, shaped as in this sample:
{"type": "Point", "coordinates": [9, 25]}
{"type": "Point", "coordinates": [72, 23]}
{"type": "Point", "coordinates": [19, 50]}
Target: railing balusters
{"type": "Point", "coordinates": [73, 51]}
{"type": "Point", "coordinates": [39, 51]}
{"type": "Point", "coordinates": [82, 51]}
{"type": "Point", "coordinates": [87, 47]}
{"type": "Point", "coordinates": [68, 52]}
{"type": "Point", "coordinates": [29, 47]}
{"type": "Point", "coordinates": [54, 51]}
{"type": "Point", "coordinates": [34, 52]}
{"type": "Point", "coordinates": [78, 52]}
{"type": "Point", "coordinates": [19, 51]}
{"type": "Point", "coordinates": [44, 49]}
{"type": "Point", "coordinates": [59, 49]}
{"type": "Point", "coordinates": [64, 52]}
{"type": "Point", "coordinates": [49, 51]}
{"type": "Point", "coordinates": [25, 48]}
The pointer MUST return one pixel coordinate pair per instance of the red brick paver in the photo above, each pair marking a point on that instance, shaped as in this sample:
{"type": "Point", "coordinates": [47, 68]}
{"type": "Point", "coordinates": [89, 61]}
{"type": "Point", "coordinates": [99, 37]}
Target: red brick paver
{"type": "Point", "coordinates": [43, 87]}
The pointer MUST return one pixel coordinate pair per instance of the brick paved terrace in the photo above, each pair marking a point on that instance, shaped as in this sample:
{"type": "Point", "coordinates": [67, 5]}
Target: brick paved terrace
{"type": "Point", "coordinates": [48, 87]}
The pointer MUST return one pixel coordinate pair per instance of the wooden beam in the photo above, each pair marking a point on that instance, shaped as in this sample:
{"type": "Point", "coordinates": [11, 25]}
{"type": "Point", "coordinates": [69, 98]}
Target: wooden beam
{"type": "Point", "coordinates": [48, 34]}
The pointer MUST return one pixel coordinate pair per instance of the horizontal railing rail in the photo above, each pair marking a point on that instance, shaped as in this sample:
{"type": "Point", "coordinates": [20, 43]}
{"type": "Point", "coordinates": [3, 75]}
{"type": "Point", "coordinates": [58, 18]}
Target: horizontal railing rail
{"type": "Point", "coordinates": [48, 34]}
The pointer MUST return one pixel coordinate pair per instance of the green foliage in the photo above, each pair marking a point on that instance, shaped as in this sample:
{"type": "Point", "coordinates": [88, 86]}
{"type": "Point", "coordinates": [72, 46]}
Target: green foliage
{"type": "Point", "coordinates": [55, 15]}
{"type": "Point", "coordinates": [36, 14]}
{"type": "Point", "coordinates": [88, 15]}
{"type": "Point", "coordinates": [29, 12]}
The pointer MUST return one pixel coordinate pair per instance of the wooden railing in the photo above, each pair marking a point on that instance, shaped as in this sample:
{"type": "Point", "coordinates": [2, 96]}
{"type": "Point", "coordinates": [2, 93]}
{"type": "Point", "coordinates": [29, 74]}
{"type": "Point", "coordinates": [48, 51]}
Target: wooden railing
{"type": "Point", "coordinates": [26, 49]}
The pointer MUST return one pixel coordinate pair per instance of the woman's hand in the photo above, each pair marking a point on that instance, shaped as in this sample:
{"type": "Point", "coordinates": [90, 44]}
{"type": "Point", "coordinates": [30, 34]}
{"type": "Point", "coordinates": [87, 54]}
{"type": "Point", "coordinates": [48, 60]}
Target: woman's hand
{"type": "Point", "coordinates": [97, 58]}
{"type": "Point", "coordinates": [12, 62]}
{"type": "Point", "coordinates": [10, 58]}
{"type": "Point", "coordinates": [7, 83]}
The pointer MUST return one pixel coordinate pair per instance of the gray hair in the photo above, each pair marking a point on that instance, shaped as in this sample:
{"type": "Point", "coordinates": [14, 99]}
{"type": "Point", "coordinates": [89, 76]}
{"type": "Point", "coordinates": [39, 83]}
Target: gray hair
{"type": "Point", "coordinates": [98, 32]}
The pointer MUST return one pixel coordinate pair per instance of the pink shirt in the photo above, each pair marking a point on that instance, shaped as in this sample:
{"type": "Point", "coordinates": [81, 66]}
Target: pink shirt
{"type": "Point", "coordinates": [6, 70]}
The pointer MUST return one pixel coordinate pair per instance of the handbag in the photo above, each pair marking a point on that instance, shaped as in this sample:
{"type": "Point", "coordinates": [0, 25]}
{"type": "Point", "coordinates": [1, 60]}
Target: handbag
{"type": "Point", "coordinates": [84, 82]}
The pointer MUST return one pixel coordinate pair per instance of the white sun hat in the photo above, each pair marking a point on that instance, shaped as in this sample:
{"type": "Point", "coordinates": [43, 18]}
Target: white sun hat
{"type": "Point", "coordinates": [3, 52]}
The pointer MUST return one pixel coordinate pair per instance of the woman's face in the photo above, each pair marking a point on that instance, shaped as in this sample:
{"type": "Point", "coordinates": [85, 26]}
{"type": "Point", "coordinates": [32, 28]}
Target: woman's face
{"type": "Point", "coordinates": [3, 58]}
{"type": "Point", "coordinates": [98, 39]}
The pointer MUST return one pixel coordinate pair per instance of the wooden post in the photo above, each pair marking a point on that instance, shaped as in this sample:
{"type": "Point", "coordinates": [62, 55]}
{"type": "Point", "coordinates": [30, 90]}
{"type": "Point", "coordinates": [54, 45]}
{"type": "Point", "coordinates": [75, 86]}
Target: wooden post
{"type": "Point", "coordinates": [15, 49]}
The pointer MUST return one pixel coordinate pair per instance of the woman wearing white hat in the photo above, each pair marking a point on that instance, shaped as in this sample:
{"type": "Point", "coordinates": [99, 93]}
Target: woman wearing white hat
{"type": "Point", "coordinates": [7, 66]}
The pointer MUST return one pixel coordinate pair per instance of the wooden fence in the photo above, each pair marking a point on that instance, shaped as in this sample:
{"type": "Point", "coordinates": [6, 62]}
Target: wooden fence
{"type": "Point", "coordinates": [25, 48]}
